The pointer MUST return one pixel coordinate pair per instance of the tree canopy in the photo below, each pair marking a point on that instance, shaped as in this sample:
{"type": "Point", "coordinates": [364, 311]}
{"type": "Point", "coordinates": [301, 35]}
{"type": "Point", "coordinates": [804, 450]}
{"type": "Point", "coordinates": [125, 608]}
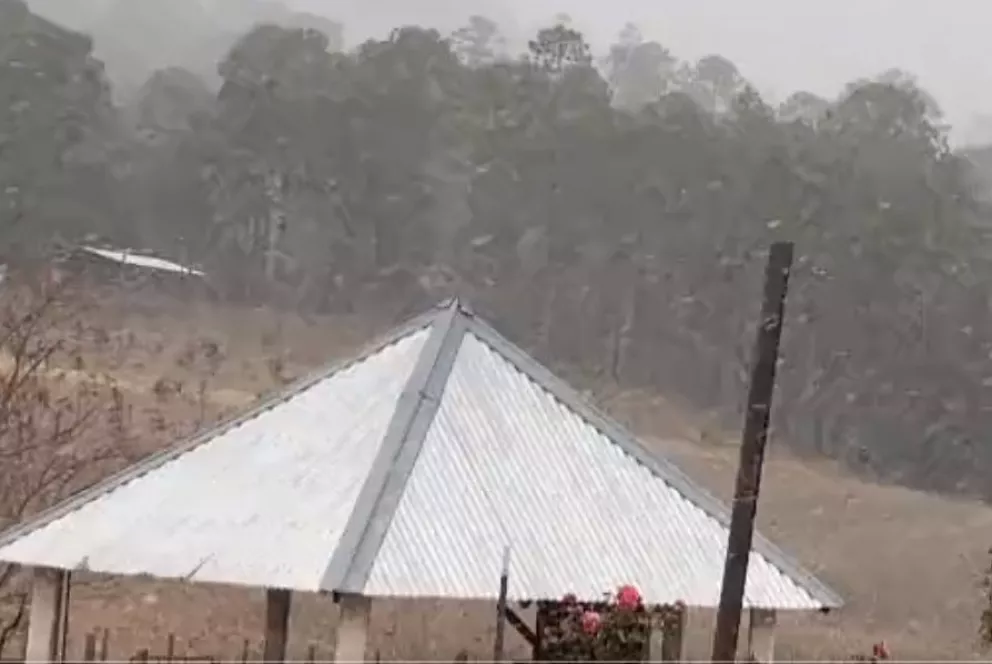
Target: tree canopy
{"type": "Point", "coordinates": [612, 212]}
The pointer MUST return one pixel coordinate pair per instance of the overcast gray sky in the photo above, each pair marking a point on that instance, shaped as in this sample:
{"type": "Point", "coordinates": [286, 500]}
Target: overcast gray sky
{"type": "Point", "coordinates": [781, 45]}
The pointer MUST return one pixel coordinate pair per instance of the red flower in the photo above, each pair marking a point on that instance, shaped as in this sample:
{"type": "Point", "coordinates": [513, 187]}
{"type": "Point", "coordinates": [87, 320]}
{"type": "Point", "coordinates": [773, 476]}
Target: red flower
{"type": "Point", "coordinates": [591, 622]}
{"type": "Point", "coordinates": [628, 598]}
{"type": "Point", "coordinates": [880, 650]}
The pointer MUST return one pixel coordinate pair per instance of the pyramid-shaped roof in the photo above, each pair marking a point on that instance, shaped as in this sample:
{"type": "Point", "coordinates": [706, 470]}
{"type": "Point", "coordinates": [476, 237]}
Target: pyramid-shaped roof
{"type": "Point", "coordinates": [406, 472]}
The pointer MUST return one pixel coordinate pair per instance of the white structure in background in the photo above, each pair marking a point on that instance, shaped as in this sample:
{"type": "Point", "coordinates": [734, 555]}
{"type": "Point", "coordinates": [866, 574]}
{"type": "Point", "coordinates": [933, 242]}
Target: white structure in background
{"type": "Point", "coordinates": [127, 257]}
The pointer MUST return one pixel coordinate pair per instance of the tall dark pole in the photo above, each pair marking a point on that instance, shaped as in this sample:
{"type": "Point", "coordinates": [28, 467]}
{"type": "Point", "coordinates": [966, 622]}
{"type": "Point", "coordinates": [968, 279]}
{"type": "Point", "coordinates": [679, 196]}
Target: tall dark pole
{"type": "Point", "coordinates": [752, 454]}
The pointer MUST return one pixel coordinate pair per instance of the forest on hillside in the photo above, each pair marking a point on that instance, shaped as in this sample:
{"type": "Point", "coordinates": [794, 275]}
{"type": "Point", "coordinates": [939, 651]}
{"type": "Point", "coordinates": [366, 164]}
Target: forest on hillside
{"type": "Point", "coordinates": [609, 213]}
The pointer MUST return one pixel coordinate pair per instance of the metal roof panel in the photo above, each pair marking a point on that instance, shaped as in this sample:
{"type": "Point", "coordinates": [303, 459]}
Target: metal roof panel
{"type": "Point", "coordinates": [508, 461]}
{"type": "Point", "coordinates": [262, 503]}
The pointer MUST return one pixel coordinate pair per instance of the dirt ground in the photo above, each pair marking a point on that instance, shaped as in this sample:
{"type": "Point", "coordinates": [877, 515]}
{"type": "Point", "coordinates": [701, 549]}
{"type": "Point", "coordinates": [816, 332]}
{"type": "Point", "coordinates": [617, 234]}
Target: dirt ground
{"type": "Point", "coordinates": [909, 564]}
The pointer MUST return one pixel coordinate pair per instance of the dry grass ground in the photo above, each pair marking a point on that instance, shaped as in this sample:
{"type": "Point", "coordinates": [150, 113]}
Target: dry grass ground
{"type": "Point", "coordinates": [908, 563]}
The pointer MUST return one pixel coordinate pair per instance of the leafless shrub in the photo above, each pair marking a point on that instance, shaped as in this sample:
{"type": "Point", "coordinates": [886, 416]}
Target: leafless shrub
{"type": "Point", "coordinates": [58, 431]}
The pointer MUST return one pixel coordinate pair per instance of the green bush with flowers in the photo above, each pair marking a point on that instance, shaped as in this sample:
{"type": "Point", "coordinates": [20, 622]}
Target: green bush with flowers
{"type": "Point", "coordinates": [618, 628]}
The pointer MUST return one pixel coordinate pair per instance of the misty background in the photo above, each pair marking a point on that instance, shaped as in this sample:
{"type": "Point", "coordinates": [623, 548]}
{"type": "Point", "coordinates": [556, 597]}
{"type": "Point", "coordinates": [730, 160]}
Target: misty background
{"type": "Point", "coordinates": [600, 182]}
{"type": "Point", "coordinates": [779, 45]}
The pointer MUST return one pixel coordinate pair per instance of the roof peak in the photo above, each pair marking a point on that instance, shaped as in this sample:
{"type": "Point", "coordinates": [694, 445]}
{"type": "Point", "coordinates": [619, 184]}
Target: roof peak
{"type": "Point", "coordinates": [351, 562]}
{"type": "Point", "coordinates": [455, 303]}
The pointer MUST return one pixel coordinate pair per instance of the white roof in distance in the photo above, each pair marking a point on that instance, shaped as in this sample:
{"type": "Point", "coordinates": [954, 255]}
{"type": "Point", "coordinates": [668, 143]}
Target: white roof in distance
{"type": "Point", "coordinates": [127, 257]}
{"type": "Point", "coordinates": [405, 473]}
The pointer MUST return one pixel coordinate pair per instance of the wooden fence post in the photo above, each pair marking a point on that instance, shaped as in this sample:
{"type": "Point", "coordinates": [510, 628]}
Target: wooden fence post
{"type": "Point", "coordinates": [89, 648]}
{"type": "Point", "coordinates": [66, 591]}
{"type": "Point", "coordinates": [540, 624]}
{"type": "Point", "coordinates": [105, 645]}
{"type": "Point", "coordinates": [170, 648]}
{"type": "Point", "coordinates": [501, 606]}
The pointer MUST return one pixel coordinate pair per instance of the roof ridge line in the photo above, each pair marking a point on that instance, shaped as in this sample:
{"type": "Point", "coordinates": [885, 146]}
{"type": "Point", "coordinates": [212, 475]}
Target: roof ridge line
{"type": "Point", "coordinates": [351, 562]}
{"type": "Point", "coordinates": [189, 443]}
{"type": "Point", "coordinates": [658, 464]}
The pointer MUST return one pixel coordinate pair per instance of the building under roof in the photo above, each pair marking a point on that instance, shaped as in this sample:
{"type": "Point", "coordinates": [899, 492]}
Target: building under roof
{"type": "Point", "coordinates": [406, 472]}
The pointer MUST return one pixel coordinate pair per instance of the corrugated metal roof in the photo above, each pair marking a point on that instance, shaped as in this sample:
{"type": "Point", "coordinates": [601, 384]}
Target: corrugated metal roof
{"type": "Point", "coordinates": [506, 462]}
{"type": "Point", "coordinates": [261, 503]}
{"type": "Point", "coordinates": [406, 474]}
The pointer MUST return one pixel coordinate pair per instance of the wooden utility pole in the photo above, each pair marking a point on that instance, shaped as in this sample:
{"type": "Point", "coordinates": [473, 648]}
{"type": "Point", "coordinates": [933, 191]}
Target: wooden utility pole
{"type": "Point", "coordinates": [752, 453]}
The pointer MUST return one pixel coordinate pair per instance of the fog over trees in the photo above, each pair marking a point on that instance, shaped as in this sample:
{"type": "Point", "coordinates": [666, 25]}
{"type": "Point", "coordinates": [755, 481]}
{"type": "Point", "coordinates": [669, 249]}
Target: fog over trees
{"type": "Point", "coordinates": [609, 206]}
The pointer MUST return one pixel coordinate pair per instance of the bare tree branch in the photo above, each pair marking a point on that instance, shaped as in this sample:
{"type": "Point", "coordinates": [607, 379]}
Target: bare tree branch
{"type": "Point", "coordinates": [53, 432]}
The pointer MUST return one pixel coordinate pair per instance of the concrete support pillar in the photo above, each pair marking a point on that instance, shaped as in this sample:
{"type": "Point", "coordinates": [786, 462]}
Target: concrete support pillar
{"type": "Point", "coordinates": [277, 604]}
{"type": "Point", "coordinates": [45, 616]}
{"type": "Point", "coordinates": [761, 635]}
{"type": "Point", "coordinates": [353, 628]}
{"type": "Point", "coordinates": [655, 644]}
